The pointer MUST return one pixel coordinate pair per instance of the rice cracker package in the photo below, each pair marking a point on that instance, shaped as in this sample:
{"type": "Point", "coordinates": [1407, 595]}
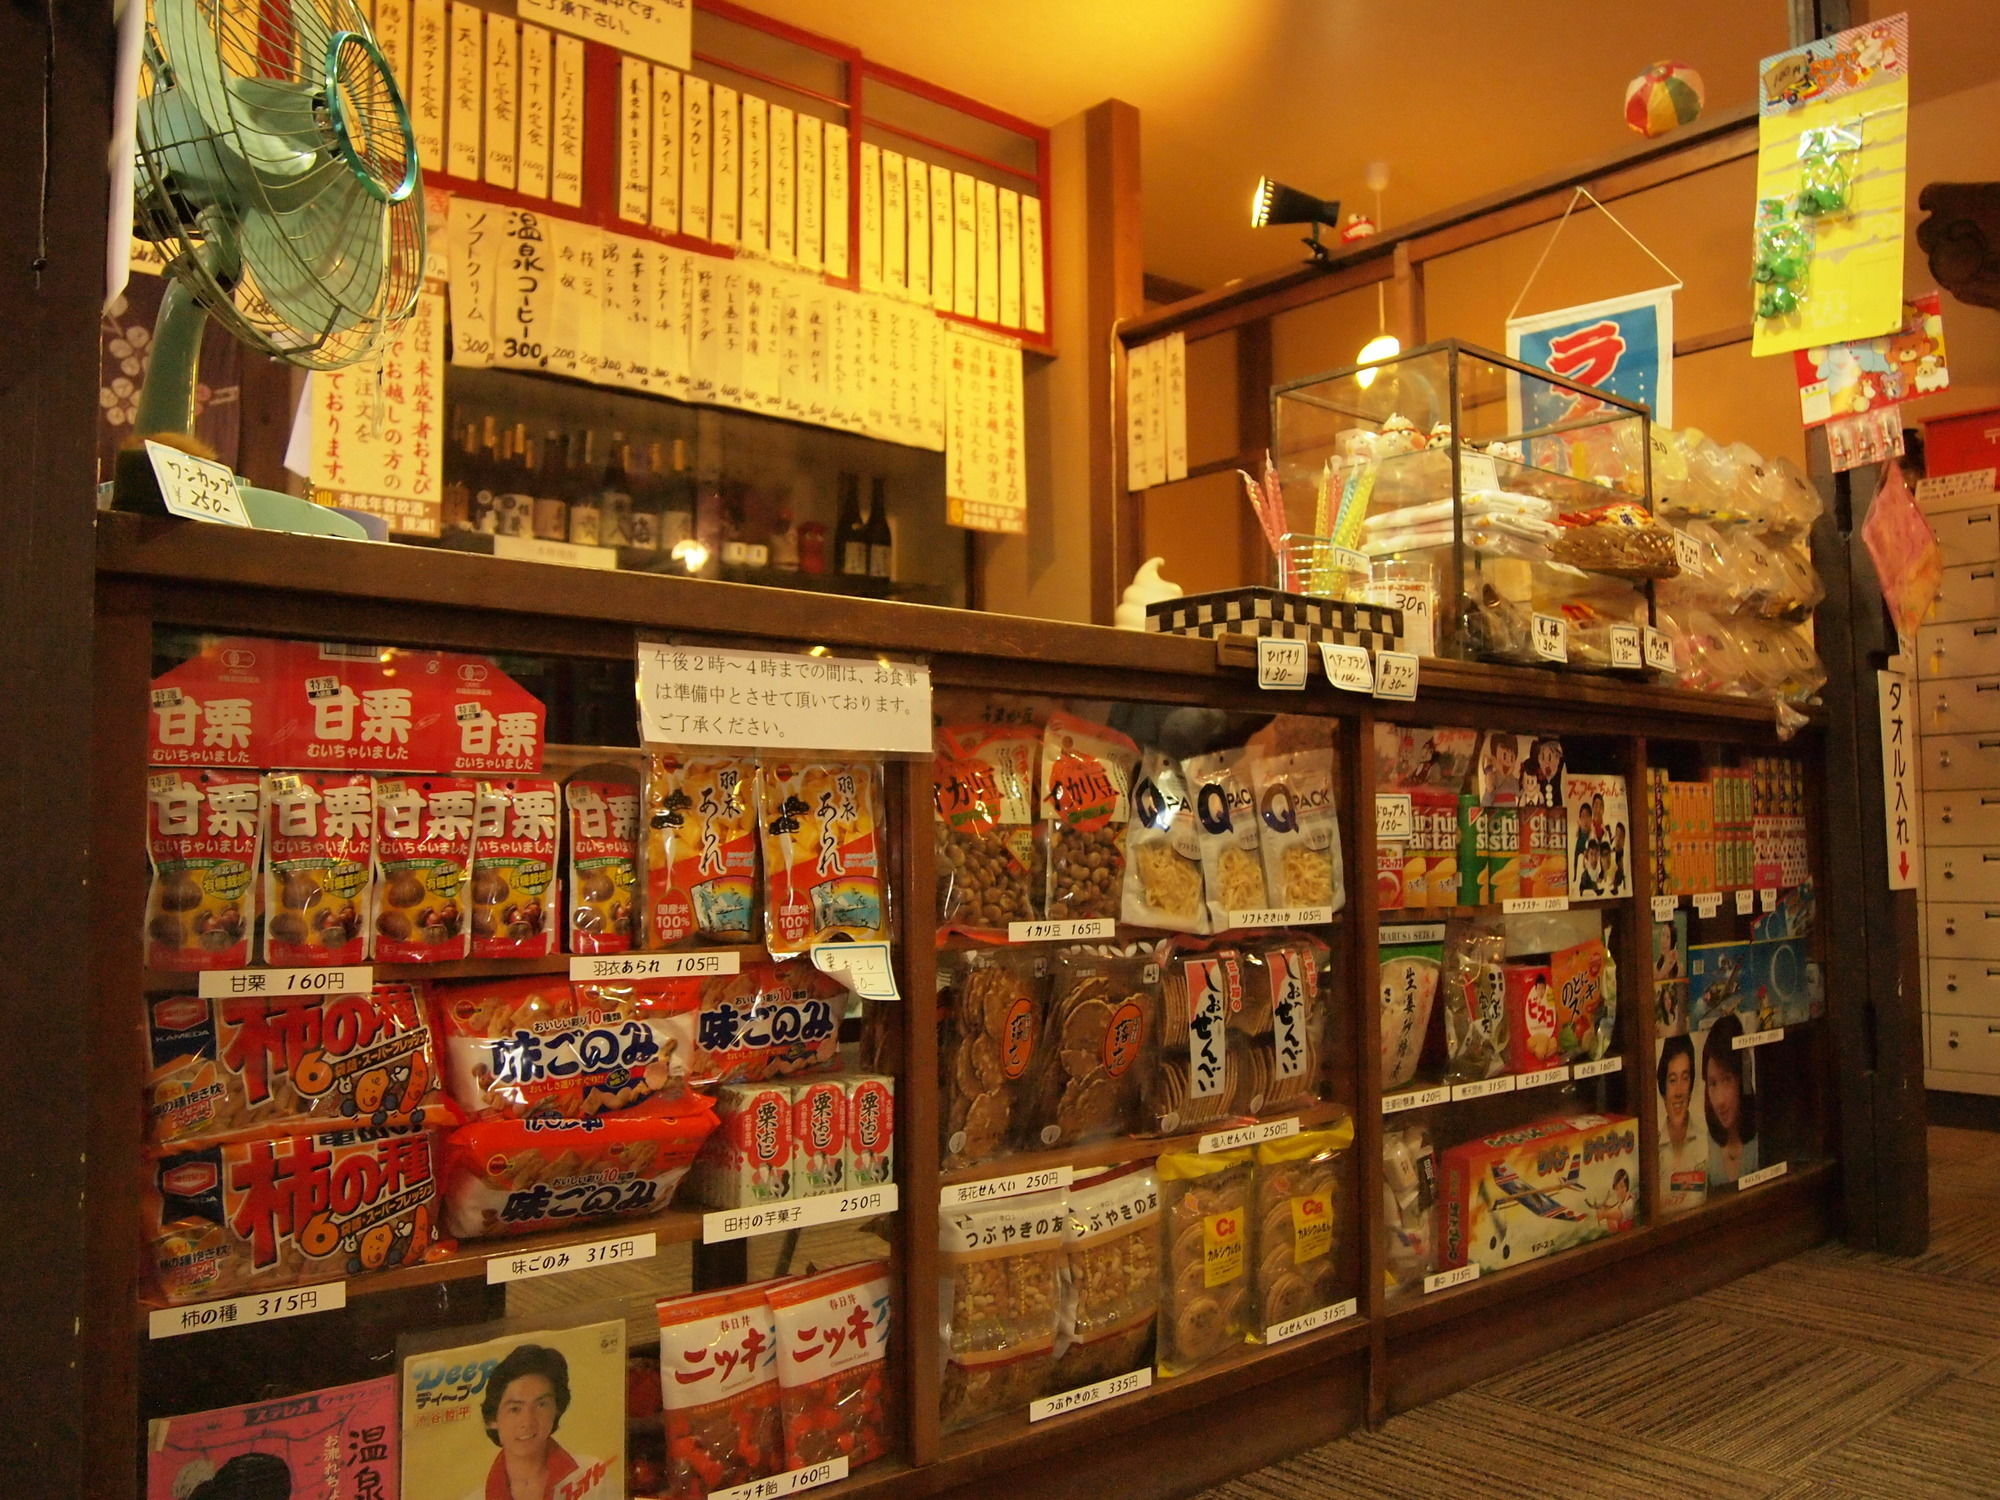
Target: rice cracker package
{"type": "Point", "coordinates": [202, 836]}
{"type": "Point", "coordinates": [983, 785]}
{"type": "Point", "coordinates": [423, 868]}
{"type": "Point", "coordinates": [1111, 1254]}
{"type": "Point", "coordinates": [603, 864]}
{"type": "Point", "coordinates": [833, 1334]}
{"type": "Point", "coordinates": [1284, 1021]}
{"type": "Point", "coordinates": [516, 898]}
{"type": "Point", "coordinates": [701, 850]}
{"type": "Point", "coordinates": [719, 1381]}
{"type": "Point", "coordinates": [319, 866]}
{"type": "Point", "coordinates": [247, 1066]}
{"type": "Point", "coordinates": [1197, 1070]}
{"type": "Point", "coordinates": [821, 824]}
{"type": "Point", "coordinates": [1298, 1237]}
{"type": "Point", "coordinates": [767, 1021]}
{"type": "Point", "coordinates": [1091, 1060]}
{"type": "Point", "coordinates": [1205, 1290]}
{"type": "Point", "coordinates": [995, 1001]}
{"type": "Point", "coordinates": [287, 1210]}
{"type": "Point", "coordinates": [1086, 803]}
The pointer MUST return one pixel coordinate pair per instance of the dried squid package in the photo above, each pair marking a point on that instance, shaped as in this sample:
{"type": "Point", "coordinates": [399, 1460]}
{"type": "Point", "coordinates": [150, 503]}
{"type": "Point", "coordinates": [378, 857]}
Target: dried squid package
{"type": "Point", "coordinates": [1163, 850]}
{"type": "Point", "coordinates": [1232, 860]}
{"type": "Point", "coordinates": [1301, 830]}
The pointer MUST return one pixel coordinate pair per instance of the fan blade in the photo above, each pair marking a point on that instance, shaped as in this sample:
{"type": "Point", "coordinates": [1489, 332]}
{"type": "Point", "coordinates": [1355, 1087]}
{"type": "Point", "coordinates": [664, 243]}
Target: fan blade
{"type": "Point", "coordinates": [319, 259]}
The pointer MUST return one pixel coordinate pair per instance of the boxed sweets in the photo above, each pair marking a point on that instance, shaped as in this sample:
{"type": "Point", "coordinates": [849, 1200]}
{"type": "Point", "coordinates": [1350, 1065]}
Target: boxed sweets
{"type": "Point", "coordinates": [871, 1129]}
{"type": "Point", "coordinates": [995, 1004]}
{"type": "Point", "coordinates": [748, 1159]}
{"type": "Point", "coordinates": [319, 857]}
{"type": "Point", "coordinates": [1000, 1268]}
{"type": "Point", "coordinates": [1111, 1260]}
{"type": "Point", "coordinates": [1544, 844]}
{"type": "Point", "coordinates": [1544, 1187]}
{"type": "Point", "coordinates": [719, 1388]}
{"type": "Point", "coordinates": [833, 1336]}
{"type": "Point", "coordinates": [819, 1136]}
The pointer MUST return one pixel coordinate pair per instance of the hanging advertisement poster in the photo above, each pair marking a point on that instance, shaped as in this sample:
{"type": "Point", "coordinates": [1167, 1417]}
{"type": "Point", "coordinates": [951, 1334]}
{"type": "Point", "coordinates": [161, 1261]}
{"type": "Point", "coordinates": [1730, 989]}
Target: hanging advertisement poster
{"type": "Point", "coordinates": [1846, 380]}
{"type": "Point", "coordinates": [1624, 345]}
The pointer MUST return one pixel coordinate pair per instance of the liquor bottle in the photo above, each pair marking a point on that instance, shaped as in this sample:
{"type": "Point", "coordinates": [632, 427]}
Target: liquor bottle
{"type": "Point", "coordinates": [850, 533]}
{"type": "Point", "coordinates": [642, 529]}
{"type": "Point", "coordinates": [551, 489]}
{"type": "Point", "coordinates": [488, 484]}
{"type": "Point", "coordinates": [676, 498]}
{"type": "Point", "coordinates": [881, 541]}
{"type": "Point", "coordinates": [581, 490]}
{"type": "Point", "coordinates": [614, 496]}
{"type": "Point", "coordinates": [461, 471]}
{"type": "Point", "coordinates": [515, 478]}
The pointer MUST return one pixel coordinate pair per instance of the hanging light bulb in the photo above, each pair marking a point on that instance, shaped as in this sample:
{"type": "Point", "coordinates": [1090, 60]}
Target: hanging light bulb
{"type": "Point", "coordinates": [1385, 345]}
{"type": "Point", "coordinates": [1382, 346]}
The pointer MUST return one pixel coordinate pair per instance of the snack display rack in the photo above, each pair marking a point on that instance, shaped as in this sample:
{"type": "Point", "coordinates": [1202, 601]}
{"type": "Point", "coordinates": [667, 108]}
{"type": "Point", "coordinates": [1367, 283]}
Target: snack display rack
{"type": "Point", "coordinates": [1249, 1403]}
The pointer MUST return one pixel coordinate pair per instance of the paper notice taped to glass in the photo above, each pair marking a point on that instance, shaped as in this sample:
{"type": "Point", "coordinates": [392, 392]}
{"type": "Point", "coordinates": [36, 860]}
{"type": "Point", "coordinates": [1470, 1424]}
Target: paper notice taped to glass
{"type": "Point", "coordinates": [865, 968]}
{"type": "Point", "coordinates": [704, 695]}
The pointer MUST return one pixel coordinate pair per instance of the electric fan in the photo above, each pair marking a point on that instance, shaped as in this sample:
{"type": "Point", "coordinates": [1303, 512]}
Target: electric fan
{"type": "Point", "coordinates": [278, 174]}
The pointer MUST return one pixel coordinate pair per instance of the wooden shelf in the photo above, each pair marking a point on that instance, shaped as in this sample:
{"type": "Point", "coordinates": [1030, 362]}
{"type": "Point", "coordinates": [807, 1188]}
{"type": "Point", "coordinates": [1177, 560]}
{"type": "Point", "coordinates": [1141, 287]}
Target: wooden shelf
{"type": "Point", "coordinates": [1113, 1153]}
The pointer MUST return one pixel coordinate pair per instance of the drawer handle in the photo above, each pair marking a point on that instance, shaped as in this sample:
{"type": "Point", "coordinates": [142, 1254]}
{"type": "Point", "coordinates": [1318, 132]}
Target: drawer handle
{"type": "Point", "coordinates": [1993, 973]}
{"type": "Point", "coordinates": [1984, 745]}
{"type": "Point", "coordinates": [1983, 573]}
{"type": "Point", "coordinates": [1985, 630]}
{"type": "Point", "coordinates": [1983, 802]}
{"type": "Point", "coordinates": [1986, 687]}
{"type": "Point", "coordinates": [1993, 1031]}
{"type": "Point", "coordinates": [1951, 986]}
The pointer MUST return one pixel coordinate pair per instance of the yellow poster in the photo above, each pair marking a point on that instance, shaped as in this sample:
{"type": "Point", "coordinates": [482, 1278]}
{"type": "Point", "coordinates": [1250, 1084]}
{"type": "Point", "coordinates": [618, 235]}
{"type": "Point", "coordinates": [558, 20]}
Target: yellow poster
{"type": "Point", "coordinates": [377, 443]}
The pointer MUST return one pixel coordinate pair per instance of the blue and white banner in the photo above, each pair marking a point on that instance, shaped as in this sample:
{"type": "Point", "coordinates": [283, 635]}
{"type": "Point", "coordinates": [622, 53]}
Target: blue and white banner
{"type": "Point", "coordinates": [1624, 345]}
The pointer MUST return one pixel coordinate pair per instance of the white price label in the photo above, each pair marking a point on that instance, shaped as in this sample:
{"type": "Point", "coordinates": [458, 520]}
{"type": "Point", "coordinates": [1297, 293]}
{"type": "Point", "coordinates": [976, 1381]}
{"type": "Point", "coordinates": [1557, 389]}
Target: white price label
{"type": "Point", "coordinates": [225, 984]}
{"type": "Point", "coordinates": [1708, 903]}
{"type": "Point", "coordinates": [1557, 1074]}
{"type": "Point", "coordinates": [1396, 675]}
{"type": "Point", "coordinates": [1477, 471]}
{"type": "Point", "coordinates": [863, 967]}
{"type": "Point", "coordinates": [1393, 816]}
{"type": "Point", "coordinates": [1687, 552]}
{"type": "Point", "coordinates": [1598, 1068]}
{"type": "Point", "coordinates": [1551, 637]}
{"type": "Point", "coordinates": [1424, 1098]}
{"type": "Point", "coordinates": [989, 1188]}
{"type": "Point", "coordinates": [1074, 930]}
{"type": "Point", "coordinates": [803, 1213]}
{"type": "Point", "coordinates": [1763, 1175]}
{"type": "Point", "coordinates": [197, 489]}
{"type": "Point", "coordinates": [1485, 1088]}
{"type": "Point", "coordinates": [1767, 898]}
{"type": "Point", "coordinates": [1291, 1328]}
{"type": "Point", "coordinates": [656, 965]}
{"type": "Point", "coordinates": [1281, 663]}
{"type": "Point", "coordinates": [233, 1312]}
{"type": "Point", "coordinates": [1628, 646]}
{"type": "Point", "coordinates": [1282, 916]}
{"type": "Point", "coordinates": [1663, 908]}
{"type": "Point", "coordinates": [1759, 1038]}
{"type": "Point", "coordinates": [1527, 905]}
{"type": "Point", "coordinates": [1444, 1281]}
{"type": "Point", "coordinates": [529, 1264]}
{"type": "Point", "coordinates": [788, 1483]}
{"type": "Point", "coordinates": [1746, 902]}
{"type": "Point", "coordinates": [1660, 651]}
{"type": "Point", "coordinates": [1089, 1395]}
{"type": "Point", "coordinates": [1409, 932]}
{"type": "Point", "coordinates": [1347, 667]}
{"type": "Point", "coordinates": [1247, 1135]}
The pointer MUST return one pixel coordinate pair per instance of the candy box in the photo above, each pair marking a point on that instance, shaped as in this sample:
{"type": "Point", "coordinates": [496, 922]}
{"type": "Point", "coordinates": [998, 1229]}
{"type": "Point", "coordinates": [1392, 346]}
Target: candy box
{"type": "Point", "coordinates": [871, 1130]}
{"type": "Point", "coordinates": [819, 1137]}
{"type": "Point", "coordinates": [1533, 1021]}
{"type": "Point", "coordinates": [1544, 1187]}
{"type": "Point", "coordinates": [748, 1160]}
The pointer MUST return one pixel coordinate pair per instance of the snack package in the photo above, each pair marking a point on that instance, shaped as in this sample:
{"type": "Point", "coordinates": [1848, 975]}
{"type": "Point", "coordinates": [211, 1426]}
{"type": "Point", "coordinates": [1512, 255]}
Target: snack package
{"type": "Point", "coordinates": [603, 865]}
{"type": "Point", "coordinates": [1544, 839]}
{"type": "Point", "coordinates": [1599, 822]}
{"type": "Point", "coordinates": [1409, 1207]}
{"type": "Point", "coordinates": [423, 863]}
{"type": "Point", "coordinates": [319, 859]}
{"type": "Point", "coordinates": [247, 1066]}
{"type": "Point", "coordinates": [282, 1211]}
{"type": "Point", "coordinates": [1086, 803]}
{"type": "Point", "coordinates": [871, 1129]}
{"type": "Point", "coordinates": [983, 783]}
{"type": "Point", "coordinates": [819, 1137]}
{"type": "Point", "coordinates": [1473, 988]}
{"type": "Point", "coordinates": [1539, 1188]}
{"type": "Point", "coordinates": [996, 1005]}
{"type": "Point", "coordinates": [1163, 851]}
{"type": "Point", "coordinates": [1576, 980]}
{"type": "Point", "coordinates": [833, 1331]}
{"type": "Point", "coordinates": [1000, 1268]}
{"type": "Point", "coordinates": [1408, 758]}
{"type": "Point", "coordinates": [515, 894]}
{"type": "Point", "coordinates": [503, 1177]}
{"type": "Point", "coordinates": [1301, 832]}
{"type": "Point", "coordinates": [1489, 853]}
{"type": "Point", "coordinates": [1111, 1269]}
{"type": "Point", "coordinates": [1284, 1021]}
{"type": "Point", "coordinates": [546, 1048]}
{"type": "Point", "coordinates": [1232, 860]}
{"type": "Point", "coordinates": [701, 850]}
{"type": "Point", "coordinates": [202, 839]}
{"type": "Point", "coordinates": [821, 829]}
{"type": "Point", "coordinates": [719, 1384]}
{"type": "Point", "coordinates": [1298, 1233]}
{"type": "Point", "coordinates": [748, 1158]}
{"type": "Point", "coordinates": [1430, 877]}
{"type": "Point", "coordinates": [1086, 1076]}
{"type": "Point", "coordinates": [1409, 985]}
{"type": "Point", "coordinates": [1205, 1227]}
{"type": "Point", "coordinates": [1532, 1020]}
{"type": "Point", "coordinates": [1196, 1074]}
{"type": "Point", "coordinates": [767, 1021]}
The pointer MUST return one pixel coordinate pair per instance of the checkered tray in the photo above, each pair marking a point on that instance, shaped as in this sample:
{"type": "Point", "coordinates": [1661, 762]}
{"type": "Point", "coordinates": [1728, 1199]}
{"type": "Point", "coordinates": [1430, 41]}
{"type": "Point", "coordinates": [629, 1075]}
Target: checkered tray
{"type": "Point", "coordinates": [1262, 611]}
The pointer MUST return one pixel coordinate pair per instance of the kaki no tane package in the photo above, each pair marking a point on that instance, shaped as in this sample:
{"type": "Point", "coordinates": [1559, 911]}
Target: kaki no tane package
{"type": "Point", "coordinates": [504, 1177]}
{"type": "Point", "coordinates": [1111, 1249]}
{"type": "Point", "coordinates": [543, 1047]}
{"type": "Point", "coordinates": [983, 783]}
{"type": "Point", "coordinates": [423, 862]}
{"type": "Point", "coordinates": [1086, 803]}
{"type": "Point", "coordinates": [1163, 851]}
{"type": "Point", "coordinates": [202, 838]}
{"type": "Point", "coordinates": [603, 865]}
{"type": "Point", "coordinates": [1225, 809]}
{"type": "Point", "coordinates": [246, 1066]}
{"type": "Point", "coordinates": [822, 854]}
{"type": "Point", "coordinates": [319, 864]}
{"type": "Point", "coordinates": [1298, 1198]}
{"type": "Point", "coordinates": [1205, 1291]}
{"type": "Point", "coordinates": [833, 1331]}
{"type": "Point", "coordinates": [286, 1210]}
{"type": "Point", "coordinates": [701, 850]}
{"type": "Point", "coordinates": [719, 1384]}
{"type": "Point", "coordinates": [516, 898]}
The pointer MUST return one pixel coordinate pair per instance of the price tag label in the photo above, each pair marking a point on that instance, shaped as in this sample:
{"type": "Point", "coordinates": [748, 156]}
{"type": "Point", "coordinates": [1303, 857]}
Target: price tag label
{"type": "Point", "coordinates": [1759, 1038]}
{"type": "Point", "coordinates": [1763, 1175]}
{"type": "Point", "coordinates": [1663, 908]}
{"type": "Point", "coordinates": [1660, 652]}
{"type": "Point", "coordinates": [1687, 552]}
{"type": "Point", "coordinates": [788, 1483]}
{"type": "Point", "coordinates": [656, 965]}
{"type": "Point", "coordinates": [1393, 817]}
{"type": "Point", "coordinates": [804, 1213]}
{"type": "Point", "coordinates": [1708, 903]}
{"type": "Point", "coordinates": [1291, 1328]}
{"type": "Point", "coordinates": [225, 984]}
{"type": "Point", "coordinates": [168, 697]}
{"type": "Point", "coordinates": [1559, 1074]}
{"type": "Point", "coordinates": [1424, 1098]}
{"type": "Point", "coordinates": [197, 489]}
{"type": "Point", "coordinates": [1551, 637]}
{"type": "Point", "coordinates": [1628, 647]}
{"type": "Point", "coordinates": [1347, 667]}
{"type": "Point", "coordinates": [1767, 898]}
{"type": "Point", "coordinates": [1485, 1088]}
{"type": "Point", "coordinates": [470, 713]}
{"type": "Point", "coordinates": [1282, 916]}
{"type": "Point", "coordinates": [234, 1312]}
{"type": "Point", "coordinates": [1598, 1068]}
{"type": "Point", "coordinates": [1477, 471]}
{"type": "Point", "coordinates": [1527, 905]}
{"type": "Point", "coordinates": [1281, 664]}
{"type": "Point", "coordinates": [1089, 1395]}
{"type": "Point", "coordinates": [532, 1263]}
{"type": "Point", "coordinates": [1247, 1135]}
{"type": "Point", "coordinates": [1444, 1281]}
{"type": "Point", "coordinates": [864, 967]}
{"type": "Point", "coordinates": [1396, 675]}
{"type": "Point", "coordinates": [1077, 929]}
{"type": "Point", "coordinates": [989, 1188]}
{"type": "Point", "coordinates": [1403, 933]}
{"type": "Point", "coordinates": [1746, 902]}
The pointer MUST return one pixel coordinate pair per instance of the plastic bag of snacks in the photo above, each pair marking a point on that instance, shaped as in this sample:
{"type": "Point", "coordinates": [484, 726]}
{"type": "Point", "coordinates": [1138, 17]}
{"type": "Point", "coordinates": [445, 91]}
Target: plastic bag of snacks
{"type": "Point", "coordinates": [1205, 1205]}
{"type": "Point", "coordinates": [1088, 1071]}
{"type": "Point", "coordinates": [999, 1296]}
{"type": "Point", "coordinates": [1298, 1224]}
{"type": "Point", "coordinates": [719, 1384]}
{"type": "Point", "coordinates": [1473, 988]}
{"type": "Point", "coordinates": [203, 838]}
{"type": "Point", "coordinates": [516, 898]}
{"type": "Point", "coordinates": [1197, 1072]}
{"type": "Point", "coordinates": [1409, 1207]}
{"type": "Point", "coordinates": [821, 826]}
{"type": "Point", "coordinates": [1283, 1024]}
{"type": "Point", "coordinates": [603, 864]}
{"type": "Point", "coordinates": [319, 866]}
{"type": "Point", "coordinates": [701, 850]}
{"type": "Point", "coordinates": [286, 1210]}
{"type": "Point", "coordinates": [1163, 851]}
{"type": "Point", "coordinates": [423, 868]}
{"type": "Point", "coordinates": [833, 1330]}
{"type": "Point", "coordinates": [231, 1069]}
{"type": "Point", "coordinates": [1111, 1276]}
{"type": "Point", "coordinates": [505, 1177]}
{"type": "Point", "coordinates": [983, 783]}
{"type": "Point", "coordinates": [1301, 832]}
{"type": "Point", "coordinates": [997, 1003]}
{"type": "Point", "coordinates": [528, 1048]}
{"type": "Point", "coordinates": [1232, 861]}
{"type": "Point", "coordinates": [1086, 803]}
{"type": "Point", "coordinates": [767, 1021]}
{"type": "Point", "coordinates": [1409, 986]}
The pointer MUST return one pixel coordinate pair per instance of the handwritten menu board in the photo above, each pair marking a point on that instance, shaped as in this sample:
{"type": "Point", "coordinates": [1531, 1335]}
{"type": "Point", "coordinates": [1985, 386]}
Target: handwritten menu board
{"type": "Point", "coordinates": [985, 456]}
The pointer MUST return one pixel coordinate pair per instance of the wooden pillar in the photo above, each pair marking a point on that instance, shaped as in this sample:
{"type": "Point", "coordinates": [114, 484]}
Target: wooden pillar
{"type": "Point", "coordinates": [1405, 310]}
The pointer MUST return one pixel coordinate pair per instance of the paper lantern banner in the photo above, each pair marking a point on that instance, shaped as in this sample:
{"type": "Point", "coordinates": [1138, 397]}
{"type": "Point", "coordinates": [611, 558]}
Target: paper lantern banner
{"type": "Point", "coordinates": [1665, 97]}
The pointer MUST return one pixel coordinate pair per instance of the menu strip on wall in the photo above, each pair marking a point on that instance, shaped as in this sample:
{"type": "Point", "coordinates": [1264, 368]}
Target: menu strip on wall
{"type": "Point", "coordinates": [503, 92]}
{"type": "Point", "coordinates": [917, 225]}
{"type": "Point", "coordinates": [666, 183]}
{"type": "Point", "coordinates": [895, 262]}
{"type": "Point", "coordinates": [871, 217]}
{"type": "Point", "coordinates": [635, 139]}
{"type": "Point", "coordinates": [725, 211]}
{"type": "Point", "coordinates": [1034, 313]}
{"type": "Point", "coordinates": [566, 169]}
{"type": "Point", "coordinates": [835, 162]}
{"type": "Point", "coordinates": [756, 170]}
{"type": "Point", "coordinates": [988, 228]}
{"type": "Point", "coordinates": [812, 192]}
{"type": "Point", "coordinates": [784, 185]}
{"type": "Point", "coordinates": [429, 39]}
{"type": "Point", "coordinates": [1010, 258]}
{"type": "Point", "coordinates": [537, 105]}
{"type": "Point", "coordinates": [462, 145]}
{"type": "Point", "coordinates": [695, 142]}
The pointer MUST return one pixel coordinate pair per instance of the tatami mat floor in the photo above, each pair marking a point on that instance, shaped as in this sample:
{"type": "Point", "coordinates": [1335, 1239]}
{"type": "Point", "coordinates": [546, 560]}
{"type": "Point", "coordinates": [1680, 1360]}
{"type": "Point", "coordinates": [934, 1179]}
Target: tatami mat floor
{"type": "Point", "coordinates": [1831, 1376]}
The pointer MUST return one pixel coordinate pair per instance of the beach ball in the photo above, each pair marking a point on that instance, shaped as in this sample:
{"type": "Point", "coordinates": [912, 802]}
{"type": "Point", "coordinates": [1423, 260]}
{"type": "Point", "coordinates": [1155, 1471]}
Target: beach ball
{"type": "Point", "coordinates": [1665, 97]}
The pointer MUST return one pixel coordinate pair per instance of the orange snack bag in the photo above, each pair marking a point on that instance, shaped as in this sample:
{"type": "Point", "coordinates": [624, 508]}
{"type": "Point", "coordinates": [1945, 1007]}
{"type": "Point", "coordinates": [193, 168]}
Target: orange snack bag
{"type": "Point", "coordinates": [701, 850]}
{"type": "Point", "coordinates": [202, 833]}
{"type": "Point", "coordinates": [821, 824]}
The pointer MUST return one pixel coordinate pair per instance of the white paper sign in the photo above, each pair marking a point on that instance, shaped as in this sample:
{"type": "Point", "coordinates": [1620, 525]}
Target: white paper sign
{"type": "Point", "coordinates": [1424, 1098]}
{"type": "Point", "coordinates": [1746, 902]}
{"type": "Point", "coordinates": [1247, 1135]}
{"type": "Point", "coordinates": [1291, 1328]}
{"type": "Point", "coordinates": [1759, 1038]}
{"type": "Point", "coordinates": [1281, 664]}
{"type": "Point", "coordinates": [1485, 1088]}
{"type": "Point", "coordinates": [222, 984]}
{"type": "Point", "coordinates": [1402, 934]}
{"type": "Point", "coordinates": [1598, 1068]}
{"type": "Point", "coordinates": [1659, 651]}
{"type": "Point", "coordinates": [196, 489]}
{"type": "Point", "coordinates": [528, 1264]}
{"type": "Point", "coordinates": [802, 1213]}
{"type": "Point", "coordinates": [1895, 700]}
{"type": "Point", "coordinates": [788, 1483]}
{"type": "Point", "coordinates": [1767, 898]}
{"type": "Point", "coordinates": [1763, 1175]}
{"type": "Point", "coordinates": [1347, 667]}
{"type": "Point", "coordinates": [234, 1312]}
{"type": "Point", "coordinates": [1069, 930]}
{"type": "Point", "coordinates": [1089, 1395]}
{"type": "Point", "coordinates": [1663, 908]}
{"type": "Point", "coordinates": [1393, 816]}
{"type": "Point", "coordinates": [710, 964]}
{"type": "Point", "coordinates": [1526, 905]}
{"type": "Point", "coordinates": [864, 967]}
{"type": "Point", "coordinates": [1551, 637]}
{"type": "Point", "coordinates": [659, 30]}
{"type": "Point", "coordinates": [987, 1189]}
{"type": "Point", "coordinates": [1396, 675]}
{"type": "Point", "coordinates": [1628, 646]}
{"type": "Point", "coordinates": [1557, 1074]}
{"type": "Point", "coordinates": [1281, 916]}
{"type": "Point", "coordinates": [773, 700]}
{"type": "Point", "coordinates": [1444, 1281]}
